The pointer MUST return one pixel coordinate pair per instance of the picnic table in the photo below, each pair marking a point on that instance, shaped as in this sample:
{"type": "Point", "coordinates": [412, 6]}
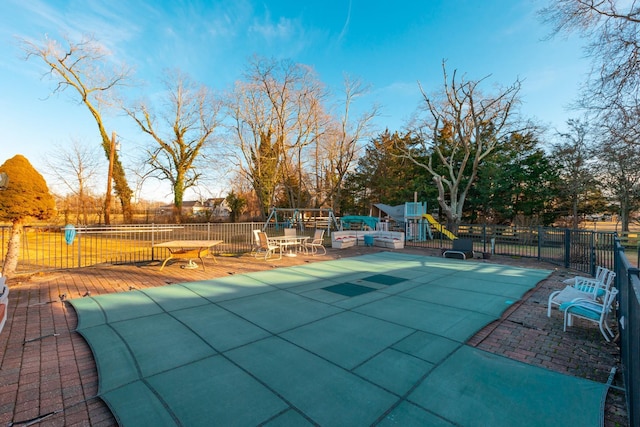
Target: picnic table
{"type": "Point", "coordinates": [188, 249]}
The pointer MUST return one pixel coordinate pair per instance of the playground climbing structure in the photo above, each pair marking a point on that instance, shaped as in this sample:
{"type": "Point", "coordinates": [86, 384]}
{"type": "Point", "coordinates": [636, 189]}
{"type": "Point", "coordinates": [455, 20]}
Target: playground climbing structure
{"type": "Point", "coordinates": [420, 225]}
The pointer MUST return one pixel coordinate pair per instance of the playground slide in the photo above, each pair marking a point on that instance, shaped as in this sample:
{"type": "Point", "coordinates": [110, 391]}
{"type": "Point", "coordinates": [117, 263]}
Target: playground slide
{"type": "Point", "coordinates": [441, 228]}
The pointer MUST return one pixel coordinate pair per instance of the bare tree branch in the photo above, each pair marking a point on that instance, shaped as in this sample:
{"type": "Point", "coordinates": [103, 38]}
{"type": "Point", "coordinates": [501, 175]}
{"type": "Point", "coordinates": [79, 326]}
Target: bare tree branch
{"type": "Point", "coordinates": [84, 67]}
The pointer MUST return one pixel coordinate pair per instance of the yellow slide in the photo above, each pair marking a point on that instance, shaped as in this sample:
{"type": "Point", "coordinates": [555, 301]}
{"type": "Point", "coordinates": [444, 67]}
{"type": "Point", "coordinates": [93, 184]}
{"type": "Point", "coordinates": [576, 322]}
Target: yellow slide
{"type": "Point", "coordinates": [441, 228]}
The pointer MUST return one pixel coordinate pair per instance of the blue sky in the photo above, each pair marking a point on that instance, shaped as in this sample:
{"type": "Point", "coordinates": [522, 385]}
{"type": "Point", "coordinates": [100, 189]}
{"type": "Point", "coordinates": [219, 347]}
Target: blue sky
{"type": "Point", "coordinates": [390, 46]}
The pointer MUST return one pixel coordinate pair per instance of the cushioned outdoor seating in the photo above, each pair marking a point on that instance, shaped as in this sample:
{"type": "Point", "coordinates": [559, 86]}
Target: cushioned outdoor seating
{"type": "Point", "coordinates": [582, 288]}
{"type": "Point", "coordinates": [383, 239]}
{"type": "Point", "coordinates": [462, 249]}
{"type": "Point", "coordinates": [592, 311]}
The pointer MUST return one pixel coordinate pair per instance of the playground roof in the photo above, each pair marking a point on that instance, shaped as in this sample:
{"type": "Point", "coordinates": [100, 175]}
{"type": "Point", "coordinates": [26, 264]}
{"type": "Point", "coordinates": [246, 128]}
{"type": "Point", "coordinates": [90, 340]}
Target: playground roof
{"type": "Point", "coordinates": [367, 220]}
{"type": "Point", "coordinates": [395, 212]}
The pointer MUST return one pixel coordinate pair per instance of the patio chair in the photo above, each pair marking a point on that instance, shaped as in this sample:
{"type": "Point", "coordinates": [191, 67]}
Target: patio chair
{"type": "Point", "coordinates": [462, 249]}
{"type": "Point", "coordinates": [267, 247]}
{"type": "Point", "coordinates": [316, 244]}
{"type": "Point", "coordinates": [582, 288]}
{"type": "Point", "coordinates": [4, 302]}
{"type": "Point", "coordinates": [256, 242]}
{"type": "Point", "coordinates": [592, 311]}
{"type": "Point", "coordinates": [290, 232]}
{"type": "Point", "coordinates": [601, 273]}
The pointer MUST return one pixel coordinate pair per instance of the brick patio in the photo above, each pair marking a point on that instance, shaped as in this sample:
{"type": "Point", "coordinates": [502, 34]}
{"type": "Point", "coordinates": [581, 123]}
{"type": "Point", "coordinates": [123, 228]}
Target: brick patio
{"type": "Point", "coordinates": [48, 375]}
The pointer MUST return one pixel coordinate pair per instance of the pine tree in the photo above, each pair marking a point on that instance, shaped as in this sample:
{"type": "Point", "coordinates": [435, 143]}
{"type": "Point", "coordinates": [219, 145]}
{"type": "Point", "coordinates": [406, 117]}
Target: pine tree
{"type": "Point", "coordinates": [26, 196]}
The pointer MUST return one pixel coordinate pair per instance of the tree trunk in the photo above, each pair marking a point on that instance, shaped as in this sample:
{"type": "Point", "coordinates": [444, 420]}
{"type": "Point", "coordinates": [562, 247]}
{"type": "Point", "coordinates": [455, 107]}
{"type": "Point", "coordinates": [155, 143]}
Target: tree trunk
{"type": "Point", "coordinates": [13, 249]}
{"type": "Point", "coordinates": [624, 215]}
{"type": "Point", "coordinates": [576, 223]}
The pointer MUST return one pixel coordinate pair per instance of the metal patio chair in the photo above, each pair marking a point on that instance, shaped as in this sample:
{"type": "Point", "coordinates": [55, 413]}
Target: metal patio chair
{"type": "Point", "coordinates": [582, 288]}
{"type": "Point", "coordinates": [592, 311]}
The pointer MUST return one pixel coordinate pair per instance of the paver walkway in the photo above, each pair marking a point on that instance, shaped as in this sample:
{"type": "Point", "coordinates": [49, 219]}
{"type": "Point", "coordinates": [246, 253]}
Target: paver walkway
{"type": "Point", "coordinates": [47, 370]}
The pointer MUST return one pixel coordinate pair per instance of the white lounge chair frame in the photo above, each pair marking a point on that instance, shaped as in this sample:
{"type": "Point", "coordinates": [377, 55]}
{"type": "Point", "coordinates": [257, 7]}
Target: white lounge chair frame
{"type": "Point", "coordinates": [583, 288]}
{"type": "Point", "coordinates": [317, 243]}
{"type": "Point", "coordinates": [267, 247]}
{"type": "Point", "coordinates": [592, 311]}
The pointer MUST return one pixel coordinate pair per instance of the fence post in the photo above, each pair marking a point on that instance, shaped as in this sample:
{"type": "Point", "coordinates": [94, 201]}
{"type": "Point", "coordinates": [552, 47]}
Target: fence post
{"type": "Point", "coordinates": [567, 248]}
{"type": "Point", "coordinates": [153, 235]}
{"type": "Point", "coordinates": [484, 238]}
{"type": "Point", "coordinates": [592, 257]}
{"type": "Point", "coordinates": [540, 237]}
{"type": "Point", "coordinates": [80, 249]}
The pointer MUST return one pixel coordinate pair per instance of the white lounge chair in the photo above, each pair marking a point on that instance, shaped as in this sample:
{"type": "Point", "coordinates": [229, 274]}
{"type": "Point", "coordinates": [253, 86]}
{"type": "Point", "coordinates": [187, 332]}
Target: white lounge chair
{"type": "Point", "coordinates": [582, 288]}
{"type": "Point", "coordinates": [256, 242]}
{"type": "Point", "coordinates": [317, 243]}
{"type": "Point", "coordinates": [266, 247]}
{"type": "Point", "coordinates": [600, 275]}
{"type": "Point", "coordinates": [592, 311]}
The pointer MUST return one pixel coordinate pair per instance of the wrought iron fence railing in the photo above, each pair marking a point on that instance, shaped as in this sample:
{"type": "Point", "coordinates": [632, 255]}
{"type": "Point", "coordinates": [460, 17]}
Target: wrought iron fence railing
{"type": "Point", "coordinates": [581, 250]}
{"type": "Point", "coordinates": [628, 283]}
{"type": "Point", "coordinates": [46, 248]}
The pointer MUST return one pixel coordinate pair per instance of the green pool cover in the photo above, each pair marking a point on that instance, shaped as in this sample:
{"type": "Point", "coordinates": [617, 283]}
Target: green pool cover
{"type": "Point", "coordinates": [371, 340]}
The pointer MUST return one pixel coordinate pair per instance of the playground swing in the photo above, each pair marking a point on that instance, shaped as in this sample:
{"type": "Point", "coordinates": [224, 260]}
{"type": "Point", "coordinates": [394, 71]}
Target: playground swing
{"type": "Point", "coordinates": [295, 218]}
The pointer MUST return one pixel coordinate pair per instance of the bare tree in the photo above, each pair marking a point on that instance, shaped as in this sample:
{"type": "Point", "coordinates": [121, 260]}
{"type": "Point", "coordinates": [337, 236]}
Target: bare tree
{"type": "Point", "coordinates": [338, 148]}
{"type": "Point", "coordinates": [75, 168]}
{"type": "Point", "coordinates": [611, 28]}
{"type": "Point", "coordinates": [461, 128]}
{"type": "Point", "coordinates": [185, 130]}
{"type": "Point", "coordinates": [276, 115]}
{"type": "Point", "coordinates": [85, 67]}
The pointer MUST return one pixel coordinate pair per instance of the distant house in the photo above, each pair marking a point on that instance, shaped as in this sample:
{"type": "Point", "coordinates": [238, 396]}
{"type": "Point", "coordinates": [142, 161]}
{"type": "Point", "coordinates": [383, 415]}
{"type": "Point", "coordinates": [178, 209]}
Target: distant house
{"type": "Point", "coordinates": [190, 208]}
{"type": "Point", "coordinates": [193, 208]}
{"type": "Point", "coordinates": [218, 208]}
{"type": "Point", "coordinates": [210, 209]}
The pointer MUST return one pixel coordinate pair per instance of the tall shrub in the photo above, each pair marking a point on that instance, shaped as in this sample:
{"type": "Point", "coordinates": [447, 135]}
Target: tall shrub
{"type": "Point", "coordinates": [26, 196]}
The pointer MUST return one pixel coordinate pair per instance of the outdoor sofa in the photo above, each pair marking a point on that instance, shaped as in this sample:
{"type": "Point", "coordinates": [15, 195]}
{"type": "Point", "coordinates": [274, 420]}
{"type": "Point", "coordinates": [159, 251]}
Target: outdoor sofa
{"type": "Point", "coordinates": [383, 239]}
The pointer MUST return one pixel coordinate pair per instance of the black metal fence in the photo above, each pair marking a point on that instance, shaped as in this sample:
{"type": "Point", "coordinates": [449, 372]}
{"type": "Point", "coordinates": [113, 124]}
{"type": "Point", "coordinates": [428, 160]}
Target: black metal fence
{"type": "Point", "coordinates": [628, 282]}
{"type": "Point", "coordinates": [48, 248]}
{"type": "Point", "coordinates": [581, 250]}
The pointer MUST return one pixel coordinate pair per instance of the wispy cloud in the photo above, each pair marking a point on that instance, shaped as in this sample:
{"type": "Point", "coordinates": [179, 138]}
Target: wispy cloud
{"type": "Point", "coordinates": [282, 29]}
{"type": "Point", "coordinates": [345, 27]}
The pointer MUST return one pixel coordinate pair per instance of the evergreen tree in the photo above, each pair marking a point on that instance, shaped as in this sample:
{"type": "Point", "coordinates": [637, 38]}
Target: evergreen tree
{"type": "Point", "coordinates": [517, 183]}
{"type": "Point", "coordinates": [26, 196]}
{"type": "Point", "coordinates": [237, 204]}
{"type": "Point", "coordinates": [384, 176]}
